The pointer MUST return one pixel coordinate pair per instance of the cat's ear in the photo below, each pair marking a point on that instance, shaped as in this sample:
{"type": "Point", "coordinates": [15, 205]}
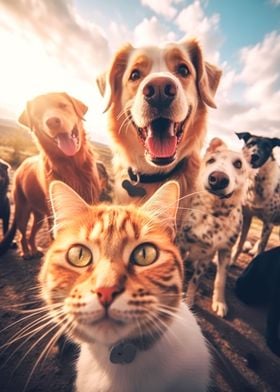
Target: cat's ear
{"type": "Point", "coordinates": [164, 203]}
{"type": "Point", "coordinates": [65, 203]}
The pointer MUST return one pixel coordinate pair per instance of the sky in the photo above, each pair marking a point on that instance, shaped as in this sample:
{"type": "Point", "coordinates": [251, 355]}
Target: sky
{"type": "Point", "coordinates": [62, 45]}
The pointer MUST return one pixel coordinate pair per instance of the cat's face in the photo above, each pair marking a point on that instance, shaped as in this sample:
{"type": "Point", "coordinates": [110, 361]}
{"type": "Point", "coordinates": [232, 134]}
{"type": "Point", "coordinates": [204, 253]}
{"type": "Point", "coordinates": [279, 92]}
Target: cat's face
{"type": "Point", "coordinates": [115, 270]}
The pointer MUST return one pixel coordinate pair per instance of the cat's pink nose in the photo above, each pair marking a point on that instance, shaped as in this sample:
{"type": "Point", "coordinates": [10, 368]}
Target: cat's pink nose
{"type": "Point", "coordinates": [106, 295]}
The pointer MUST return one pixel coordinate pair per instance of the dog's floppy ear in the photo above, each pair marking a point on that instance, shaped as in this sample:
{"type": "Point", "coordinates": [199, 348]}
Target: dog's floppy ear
{"type": "Point", "coordinates": [24, 118]}
{"type": "Point", "coordinates": [275, 142]}
{"type": "Point", "coordinates": [243, 135]}
{"type": "Point", "coordinates": [4, 165]}
{"type": "Point", "coordinates": [208, 75]}
{"type": "Point", "coordinates": [216, 144]}
{"type": "Point", "coordinates": [110, 82]}
{"type": "Point", "coordinates": [79, 106]}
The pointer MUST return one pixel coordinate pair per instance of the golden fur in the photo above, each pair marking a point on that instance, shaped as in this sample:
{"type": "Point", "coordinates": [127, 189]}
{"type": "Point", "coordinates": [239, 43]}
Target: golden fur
{"type": "Point", "coordinates": [126, 106]}
{"type": "Point", "coordinates": [49, 116]}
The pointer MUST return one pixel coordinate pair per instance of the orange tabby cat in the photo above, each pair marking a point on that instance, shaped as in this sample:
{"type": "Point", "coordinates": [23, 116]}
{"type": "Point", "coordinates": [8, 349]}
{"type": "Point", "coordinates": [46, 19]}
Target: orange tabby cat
{"type": "Point", "coordinates": [115, 278]}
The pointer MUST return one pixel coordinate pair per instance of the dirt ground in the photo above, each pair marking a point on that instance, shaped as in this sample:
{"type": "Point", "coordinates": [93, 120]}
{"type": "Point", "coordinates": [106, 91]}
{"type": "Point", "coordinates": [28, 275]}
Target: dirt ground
{"type": "Point", "coordinates": [23, 368]}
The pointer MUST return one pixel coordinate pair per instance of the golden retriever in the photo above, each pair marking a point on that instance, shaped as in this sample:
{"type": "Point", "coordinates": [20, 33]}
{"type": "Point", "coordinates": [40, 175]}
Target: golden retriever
{"type": "Point", "coordinates": [157, 100]}
{"type": "Point", "coordinates": [56, 120]}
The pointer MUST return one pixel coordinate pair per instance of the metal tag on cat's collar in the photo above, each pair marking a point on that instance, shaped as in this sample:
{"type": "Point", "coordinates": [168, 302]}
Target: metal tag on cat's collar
{"type": "Point", "coordinates": [123, 353]}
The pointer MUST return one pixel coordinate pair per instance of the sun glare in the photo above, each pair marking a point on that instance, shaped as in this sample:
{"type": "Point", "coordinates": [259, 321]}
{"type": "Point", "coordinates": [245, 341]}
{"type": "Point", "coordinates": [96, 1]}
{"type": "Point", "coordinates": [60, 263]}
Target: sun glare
{"type": "Point", "coordinates": [27, 70]}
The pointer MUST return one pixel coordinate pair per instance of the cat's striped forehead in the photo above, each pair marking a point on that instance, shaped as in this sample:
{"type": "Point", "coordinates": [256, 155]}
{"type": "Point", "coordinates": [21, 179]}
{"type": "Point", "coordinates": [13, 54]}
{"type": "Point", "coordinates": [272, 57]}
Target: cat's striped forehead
{"type": "Point", "coordinates": [114, 223]}
{"type": "Point", "coordinates": [112, 228]}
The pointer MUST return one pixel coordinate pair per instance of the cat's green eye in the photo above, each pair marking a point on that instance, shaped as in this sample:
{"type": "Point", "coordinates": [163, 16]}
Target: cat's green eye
{"type": "Point", "coordinates": [144, 254]}
{"type": "Point", "coordinates": [79, 256]}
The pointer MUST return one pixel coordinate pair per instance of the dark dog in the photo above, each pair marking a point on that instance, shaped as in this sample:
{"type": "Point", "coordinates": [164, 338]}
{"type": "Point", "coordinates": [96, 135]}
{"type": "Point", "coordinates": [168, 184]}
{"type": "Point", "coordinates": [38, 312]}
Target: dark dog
{"type": "Point", "coordinates": [263, 199]}
{"type": "Point", "coordinates": [4, 201]}
{"type": "Point", "coordinates": [259, 284]}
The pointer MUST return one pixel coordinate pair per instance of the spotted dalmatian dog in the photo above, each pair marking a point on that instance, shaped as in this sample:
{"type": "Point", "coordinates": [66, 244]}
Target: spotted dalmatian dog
{"type": "Point", "coordinates": [214, 220]}
{"type": "Point", "coordinates": [263, 200]}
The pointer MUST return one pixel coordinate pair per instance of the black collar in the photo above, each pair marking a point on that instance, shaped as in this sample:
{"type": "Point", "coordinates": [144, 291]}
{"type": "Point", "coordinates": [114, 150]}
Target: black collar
{"type": "Point", "coordinates": [136, 178]}
{"type": "Point", "coordinates": [125, 351]}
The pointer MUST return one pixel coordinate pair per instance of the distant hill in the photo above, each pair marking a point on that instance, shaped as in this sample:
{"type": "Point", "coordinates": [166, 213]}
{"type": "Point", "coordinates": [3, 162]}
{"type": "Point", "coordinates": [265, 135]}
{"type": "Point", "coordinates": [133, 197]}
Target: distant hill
{"type": "Point", "coordinates": [16, 143]}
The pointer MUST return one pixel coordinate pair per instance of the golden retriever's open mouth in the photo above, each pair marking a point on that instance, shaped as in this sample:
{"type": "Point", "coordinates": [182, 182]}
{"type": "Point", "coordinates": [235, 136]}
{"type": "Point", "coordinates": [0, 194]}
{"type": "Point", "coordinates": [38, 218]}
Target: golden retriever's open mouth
{"type": "Point", "coordinates": [161, 138]}
{"type": "Point", "coordinates": [68, 143]}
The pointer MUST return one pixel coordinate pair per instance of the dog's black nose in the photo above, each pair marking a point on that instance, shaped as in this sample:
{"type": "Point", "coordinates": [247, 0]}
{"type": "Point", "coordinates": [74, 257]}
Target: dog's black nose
{"type": "Point", "coordinates": [218, 180]}
{"type": "Point", "coordinates": [254, 158]}
{"type": "Point", "coordinates": [53, 122]}
{"type": "Point", "coordinates": [160, 91]}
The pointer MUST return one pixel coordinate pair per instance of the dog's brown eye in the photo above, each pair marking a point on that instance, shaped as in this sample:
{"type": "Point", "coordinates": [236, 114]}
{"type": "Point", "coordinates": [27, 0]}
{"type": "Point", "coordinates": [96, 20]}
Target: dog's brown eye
{"type": "Point", "coordinates": [135, 75]}
{"type": "Point", "coordinates": [183, 70]}
{"type": "Point", "coordinates": [210, 161]}
{"type": "Point", "coordinates": [237, 164]}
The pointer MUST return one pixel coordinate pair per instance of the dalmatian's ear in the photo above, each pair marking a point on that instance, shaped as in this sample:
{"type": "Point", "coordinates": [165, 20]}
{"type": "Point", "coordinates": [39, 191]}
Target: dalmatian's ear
{"type": "Point", "coordinates": [243, 136]}
{"type": "Point", "coordinates": [275, 142]}
{"type": "Point", "coordinates": [216, 144]}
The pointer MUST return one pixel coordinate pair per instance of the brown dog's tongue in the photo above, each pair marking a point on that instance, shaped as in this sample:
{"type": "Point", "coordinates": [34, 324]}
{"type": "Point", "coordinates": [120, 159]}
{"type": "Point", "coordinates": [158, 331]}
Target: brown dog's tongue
{"type": "Point", "coordinates": [161, 141]}
{"type": "Point", "coordinates": [66, 144]}
{"type": "Point", "coordinates": [161, 148]}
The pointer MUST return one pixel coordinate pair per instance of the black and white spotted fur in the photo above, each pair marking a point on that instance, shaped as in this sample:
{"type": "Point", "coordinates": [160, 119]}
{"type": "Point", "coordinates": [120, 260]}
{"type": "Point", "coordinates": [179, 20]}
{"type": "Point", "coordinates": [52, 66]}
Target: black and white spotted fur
{"type": "Point", "coordinates": [214, 220]}
{"type": "Point", "coordinates": [4, 201]}
{"type": "Point", "coordinates": [263, 200]}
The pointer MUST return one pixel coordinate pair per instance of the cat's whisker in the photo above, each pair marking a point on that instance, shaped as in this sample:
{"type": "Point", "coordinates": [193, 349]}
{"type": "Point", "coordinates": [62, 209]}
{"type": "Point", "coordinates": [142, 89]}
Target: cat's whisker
{"type": "Point", "coordinates": [41, 309]}
{"type": "Point", "coordinates": [35, 287]}
{"type": "Point", "coordinates": [28, 336]}
{"type": "Point", "coordinates": [62, 329]}
{"type": "Point", "coordinates": [159, 327]}
{"type": "Point", "coordinates": [20, 320]}
{"type": "Point", "coordinates": [28, 329]}
{"type": "Point", "coordinates": [52, 341]}
{"type": "Point", "coordinates": [138, 324]}
{"type": "Point", "coordinates": [152, 318]}
{"type": "Point", "coordinates": [169, 312]}
{"type": "Point", "coordinates": [22, 304]}
{"type": "Point", "coordinates": [191, 194]}
{"type": "Point", "coordinates": [166, 326]}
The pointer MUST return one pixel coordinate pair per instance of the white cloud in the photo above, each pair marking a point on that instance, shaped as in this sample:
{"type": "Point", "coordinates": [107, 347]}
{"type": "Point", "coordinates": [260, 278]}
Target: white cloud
{"type": "Point", "coordinates": [193, 22]}
{"type": "Point", "coordinates": [151, 32]}
{"type": "Point", "coordinates": [118, 34]}
{"type": "Point", "coordinates": [275, 2]}
{"type": "Point", "coordinates": [257, 108]}
{"type": "Point", "coordinates": [261, 68]}
{"type": "Point", "coordinates": [162, 7]}
{"type": "Point", "coordinates": [63, 33]}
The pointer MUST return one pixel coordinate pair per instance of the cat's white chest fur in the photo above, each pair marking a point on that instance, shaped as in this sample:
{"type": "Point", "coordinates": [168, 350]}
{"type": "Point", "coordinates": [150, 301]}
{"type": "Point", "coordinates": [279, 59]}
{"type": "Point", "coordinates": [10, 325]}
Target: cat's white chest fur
{"type": "Point", "coordinates": [179, 361]}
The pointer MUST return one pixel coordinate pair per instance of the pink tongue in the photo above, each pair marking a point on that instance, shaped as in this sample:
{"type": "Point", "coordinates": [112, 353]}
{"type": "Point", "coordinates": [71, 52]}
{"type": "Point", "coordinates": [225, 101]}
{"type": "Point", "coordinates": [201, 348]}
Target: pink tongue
{"type": "Point", "coordinates": [161, 147]}
{"type": "Point", "coordinates": [66, 144]}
